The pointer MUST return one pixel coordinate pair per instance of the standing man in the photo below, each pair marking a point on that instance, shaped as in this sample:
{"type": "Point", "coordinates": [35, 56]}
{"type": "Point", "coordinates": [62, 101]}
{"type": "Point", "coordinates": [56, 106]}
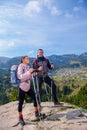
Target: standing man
{"type": "Point", "coordinates": [43, 75]}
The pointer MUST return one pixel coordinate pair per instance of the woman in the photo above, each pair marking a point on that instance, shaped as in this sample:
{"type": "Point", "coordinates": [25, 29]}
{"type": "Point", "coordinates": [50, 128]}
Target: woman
{"type": "Point", "coordinates": [24, 76]}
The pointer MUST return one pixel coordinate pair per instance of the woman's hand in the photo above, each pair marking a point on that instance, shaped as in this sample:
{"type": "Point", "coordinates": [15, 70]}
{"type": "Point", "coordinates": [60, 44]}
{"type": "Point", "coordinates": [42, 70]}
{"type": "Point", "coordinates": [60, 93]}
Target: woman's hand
{"type": "Point", "coordinates": [31, 70]}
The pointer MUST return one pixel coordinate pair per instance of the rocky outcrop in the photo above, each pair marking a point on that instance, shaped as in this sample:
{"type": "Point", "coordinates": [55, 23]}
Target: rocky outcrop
{"type": "Point", "coordinates": [63, 117]}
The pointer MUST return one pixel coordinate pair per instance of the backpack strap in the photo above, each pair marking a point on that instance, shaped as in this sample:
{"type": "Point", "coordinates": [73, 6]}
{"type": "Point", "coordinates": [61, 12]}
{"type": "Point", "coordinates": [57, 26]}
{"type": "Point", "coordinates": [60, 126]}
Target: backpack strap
{"type": "Point", "coordinates": [35, 64]}
{"type": "Point", "coordinates": [36, 61]}
{"type": "Point", "coordinates": [46, 59]}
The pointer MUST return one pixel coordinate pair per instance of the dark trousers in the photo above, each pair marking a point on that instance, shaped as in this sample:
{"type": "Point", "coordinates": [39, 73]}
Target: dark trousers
{"type": "Point", "coordinates": [22, 97]}
{"type": "Point", "coordinates": [51, 83]}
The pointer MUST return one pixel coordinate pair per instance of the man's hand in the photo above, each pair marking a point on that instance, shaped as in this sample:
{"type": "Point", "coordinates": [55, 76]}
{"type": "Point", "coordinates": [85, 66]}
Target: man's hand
{"type": "Point", "coordinates": [40, 68]}
{"type": "Point", "coordinates": [52, 66]}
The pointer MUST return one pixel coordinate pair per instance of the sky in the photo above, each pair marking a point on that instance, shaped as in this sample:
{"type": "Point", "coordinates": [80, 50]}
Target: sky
{"type": "Point", "coordinates": [56, 26]}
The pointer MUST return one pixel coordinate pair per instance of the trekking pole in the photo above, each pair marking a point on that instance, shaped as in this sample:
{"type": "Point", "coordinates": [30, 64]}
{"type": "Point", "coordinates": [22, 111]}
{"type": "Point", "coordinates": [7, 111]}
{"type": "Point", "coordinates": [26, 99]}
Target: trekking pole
{"type": "Point", "coordinates": [45, 86]}
{"type": "Point", "coordinates": [35, 89]}
{"type": "Point", "coordinates": [38, 91]}
{"type": "Point", "coordinates": [47, 93]}
{"type": "Point", "coordinates": [36, 94]}
{"type": "Point", "coordinates": [51, 87]}
{"type": "Point", "coordinates": [51, 82]}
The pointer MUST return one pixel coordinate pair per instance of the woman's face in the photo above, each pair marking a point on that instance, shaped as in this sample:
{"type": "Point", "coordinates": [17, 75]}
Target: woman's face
{"type": "Point", "coordinates": [26, 60]}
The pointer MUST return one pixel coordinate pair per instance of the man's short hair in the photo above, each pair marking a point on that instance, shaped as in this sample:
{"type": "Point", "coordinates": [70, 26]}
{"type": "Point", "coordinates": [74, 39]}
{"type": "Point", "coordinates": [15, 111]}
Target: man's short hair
{"type": "Point", "coordinates": [40, 49]}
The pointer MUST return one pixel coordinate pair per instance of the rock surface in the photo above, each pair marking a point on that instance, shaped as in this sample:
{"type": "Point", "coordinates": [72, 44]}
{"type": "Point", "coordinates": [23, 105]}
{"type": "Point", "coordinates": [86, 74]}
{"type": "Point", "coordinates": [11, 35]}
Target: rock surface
{"type": "Point", "coordinates": [60, 117]}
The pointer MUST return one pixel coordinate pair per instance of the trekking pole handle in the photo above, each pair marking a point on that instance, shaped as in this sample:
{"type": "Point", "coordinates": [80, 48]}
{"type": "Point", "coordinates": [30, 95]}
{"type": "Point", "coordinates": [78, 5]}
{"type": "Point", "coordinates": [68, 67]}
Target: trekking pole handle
{"type": "Point", "coordinates": [35, 70]}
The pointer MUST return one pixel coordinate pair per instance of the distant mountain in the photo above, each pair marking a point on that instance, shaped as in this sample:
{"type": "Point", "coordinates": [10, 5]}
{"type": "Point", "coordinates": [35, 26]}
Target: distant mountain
{"type": "Point", "coordinates": [4, 59]}
{"type": "Point", "coordinates": [11, 61]}
{"type": "Point", "coordinates": [83, 59]}
{"type": "Point", "coordinates": [60, 61]}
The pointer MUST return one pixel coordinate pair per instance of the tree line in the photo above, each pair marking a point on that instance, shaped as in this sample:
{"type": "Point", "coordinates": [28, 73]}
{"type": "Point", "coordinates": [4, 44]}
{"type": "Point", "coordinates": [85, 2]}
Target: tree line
{"type": "Point", "coordinates": [9, 93]}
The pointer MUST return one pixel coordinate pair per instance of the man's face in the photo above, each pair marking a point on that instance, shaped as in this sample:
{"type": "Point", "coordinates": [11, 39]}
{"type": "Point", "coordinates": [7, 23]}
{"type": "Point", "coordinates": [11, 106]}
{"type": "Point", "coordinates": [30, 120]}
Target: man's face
{"type": "Point", "coordinates": [40, 53]}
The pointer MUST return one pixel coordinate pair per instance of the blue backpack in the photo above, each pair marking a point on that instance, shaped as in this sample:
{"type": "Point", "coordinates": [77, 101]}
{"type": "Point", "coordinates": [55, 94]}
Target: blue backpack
{"type": "Point", "coordinates": [13, 78]}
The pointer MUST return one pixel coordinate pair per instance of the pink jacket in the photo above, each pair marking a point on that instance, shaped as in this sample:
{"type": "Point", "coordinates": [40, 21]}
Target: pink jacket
{"type": "Point", "coordinates": [24, 76]}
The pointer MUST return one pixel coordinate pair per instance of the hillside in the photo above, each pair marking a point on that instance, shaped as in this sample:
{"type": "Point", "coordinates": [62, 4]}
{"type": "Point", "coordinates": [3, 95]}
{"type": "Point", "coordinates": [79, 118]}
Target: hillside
{"type": "Point", "coordinates": [4, 59]}
{"type": "Point", "coordinates": [65, 117]}
{"type": "Point", "coordinates": [60, 61]}
{"type": "Point", "coordinates": [69, 80]}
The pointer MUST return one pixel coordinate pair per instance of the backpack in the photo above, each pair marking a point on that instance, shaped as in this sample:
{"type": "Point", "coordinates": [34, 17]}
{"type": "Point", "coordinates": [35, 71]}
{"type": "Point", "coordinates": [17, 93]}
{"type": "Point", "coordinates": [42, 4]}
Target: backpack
{"type": "Point", "coordinates": [13, 78]}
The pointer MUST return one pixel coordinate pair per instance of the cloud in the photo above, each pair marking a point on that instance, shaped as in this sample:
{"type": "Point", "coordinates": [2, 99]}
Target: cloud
{"type": "Point", "coordinates": [3, 43]}
{"type": "Point", "coordinates": [76, 9]}
{"type": "Point", "coordinates": [51, 7]}
{"type": "Point", "coordinates": [19, 30]}
{"type": "Point", "coordinates": [55, 11]}
{"type": "Point", "coordinates": [4, 26]}
{"type": "Point", "coordinates": [47, 3]}
{"type": "Point", "coordinates": [32, 8]}
{"type": "Point", "coordinates": [11, 44]}
{"type": "Point", "coordinates": [6, 44]}
{"type": "Point", "coordinates": [68, 15]}
{"type": "Point", "coordinates": [31, 53]}
{"type": "Point", "coordinates": [11, 11]}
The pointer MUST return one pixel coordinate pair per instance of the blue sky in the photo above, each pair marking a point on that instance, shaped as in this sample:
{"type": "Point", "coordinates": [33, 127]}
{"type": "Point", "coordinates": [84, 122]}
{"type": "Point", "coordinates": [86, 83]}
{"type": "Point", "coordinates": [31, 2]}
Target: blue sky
{"type": "Point", "coordinates": [57, 26]}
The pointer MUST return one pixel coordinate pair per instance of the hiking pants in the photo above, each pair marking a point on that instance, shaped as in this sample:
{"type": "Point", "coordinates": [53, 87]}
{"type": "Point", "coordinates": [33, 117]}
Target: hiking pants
{"type": "Point", "coordinates": [22, 97]}
{"type": "Point", "coordinates": [51, 83]}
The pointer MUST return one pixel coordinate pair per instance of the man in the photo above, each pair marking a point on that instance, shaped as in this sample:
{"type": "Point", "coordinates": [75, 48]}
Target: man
{"type": "Point", "coordinates": [43, 75]}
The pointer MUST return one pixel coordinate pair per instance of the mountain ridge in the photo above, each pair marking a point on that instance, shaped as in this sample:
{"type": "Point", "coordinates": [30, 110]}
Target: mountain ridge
{"type": "Point", "coordinates": [60, 61]}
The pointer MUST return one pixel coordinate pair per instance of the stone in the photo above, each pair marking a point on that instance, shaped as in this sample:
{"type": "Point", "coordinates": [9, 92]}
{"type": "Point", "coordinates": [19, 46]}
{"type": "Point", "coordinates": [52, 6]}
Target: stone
{"type": "Point", "coordinates": [60, 118]}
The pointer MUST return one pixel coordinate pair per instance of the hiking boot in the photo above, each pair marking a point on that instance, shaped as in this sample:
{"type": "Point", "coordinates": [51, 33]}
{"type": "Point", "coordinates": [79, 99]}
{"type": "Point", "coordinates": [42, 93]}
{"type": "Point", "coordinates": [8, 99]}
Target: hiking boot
{"type": "Point", "coordinates": [21, 120]}
{"type": "Point", "coordinates": [42, 115]}
{"type": "Point", "coordinates": [39, 115]}
{"type": "Point", "coordinates": [58, 104]}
